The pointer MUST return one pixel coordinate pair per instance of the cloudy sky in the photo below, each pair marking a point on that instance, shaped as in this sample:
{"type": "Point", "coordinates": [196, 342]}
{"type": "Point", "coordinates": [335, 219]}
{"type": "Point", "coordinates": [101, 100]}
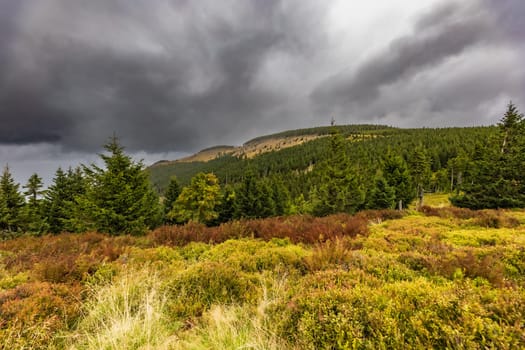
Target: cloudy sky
{"type": "Point", "coordinates": [174, 76]}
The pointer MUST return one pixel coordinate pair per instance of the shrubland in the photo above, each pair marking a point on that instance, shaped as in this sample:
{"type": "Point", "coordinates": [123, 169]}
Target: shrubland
{"type": "Point", "coordinates": [441, 277]}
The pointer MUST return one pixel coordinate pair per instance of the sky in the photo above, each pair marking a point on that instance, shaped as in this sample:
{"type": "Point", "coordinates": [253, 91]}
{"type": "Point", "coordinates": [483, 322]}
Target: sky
{"type": "Point", "coordinates": [170, 77]}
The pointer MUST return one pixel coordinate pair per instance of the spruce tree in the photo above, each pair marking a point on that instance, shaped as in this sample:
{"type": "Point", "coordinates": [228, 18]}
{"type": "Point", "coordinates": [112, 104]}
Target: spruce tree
{"type": "Point", "coordinates": [12, 203]}
{"type": "Point", "coordinates": [33, 189]}
{"type": "Point", "coordinates": [280, 195]}
{"type": "Point", "coordinates": [59, 203]}
{"type": "Point", "coordinates": [397, 176]}
{"type": "Point", "coordinates": [339, 189]}
{"type": "Point", "coordinates": [420, 171]}
{"type": "Point", "coordinates": [382, 195]}
{"type": "Point", "coordinates": [226, 208]}
{"type": "Point", "coordinates": [34, 220]}
{"type": "Point", "coordinates": [253, 198]}
{"type": "Point", "coordinates": [496, 178]}
{"type": "Point", "coordinates": [119, 198]}
{"type": "Point", "coordinates": [171, 195]}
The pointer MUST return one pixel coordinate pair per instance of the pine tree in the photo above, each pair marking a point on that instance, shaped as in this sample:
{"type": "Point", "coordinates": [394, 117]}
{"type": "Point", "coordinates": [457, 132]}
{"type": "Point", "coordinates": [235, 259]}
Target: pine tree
{"type": "Point", "coordinates": [12, 204]}
{"type": "Point", "coordinates": [397, 176]}
{"type": "Point", "coordinates": [253, 198]}
{"type": "Point", "coordinates": [420, 170]}
{"type": "Point", "coordinates": [339, 190]}
{"type": "Point", "coordinates": [496, 178]}
{"type": "Point", "coordinates": [382, 195]}
{"type": "Point", "coordinates": [59, 203]}
{"type": "Point", "coordinates": [33, 215]}
{"type": "Point", "coordinates": [171, 195]}
{"type": "Point", "coordinates": [119, 198]}
{"type": "Point", "coordinates": [226, 208]}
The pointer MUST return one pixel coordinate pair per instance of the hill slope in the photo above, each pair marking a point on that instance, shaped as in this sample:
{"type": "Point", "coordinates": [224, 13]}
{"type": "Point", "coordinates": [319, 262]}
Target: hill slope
{"type": "Point", "coordinates": [294, 151]}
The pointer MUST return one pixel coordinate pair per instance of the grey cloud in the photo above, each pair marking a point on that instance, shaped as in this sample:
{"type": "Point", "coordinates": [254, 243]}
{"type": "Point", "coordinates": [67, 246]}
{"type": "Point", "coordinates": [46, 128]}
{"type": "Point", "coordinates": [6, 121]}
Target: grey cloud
{"type": "Point", "coordinates": [444, 33]}
{"type": "Point", "coordinates": [509, 15]}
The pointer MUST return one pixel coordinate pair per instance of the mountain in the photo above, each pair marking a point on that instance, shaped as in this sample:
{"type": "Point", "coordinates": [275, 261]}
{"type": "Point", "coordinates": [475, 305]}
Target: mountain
{"type": "Point", "coordinates": [294, 152]}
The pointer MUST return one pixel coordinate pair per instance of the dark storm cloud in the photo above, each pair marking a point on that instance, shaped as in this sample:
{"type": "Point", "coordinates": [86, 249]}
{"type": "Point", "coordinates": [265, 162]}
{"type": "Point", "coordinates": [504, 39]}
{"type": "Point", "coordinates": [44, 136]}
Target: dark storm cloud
{"type": "Point", "coordinates": [162, 75]}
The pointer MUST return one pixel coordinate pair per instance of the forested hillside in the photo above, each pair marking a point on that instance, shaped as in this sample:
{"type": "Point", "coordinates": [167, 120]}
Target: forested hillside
{"type": "Point", "coordinates": [366, 146]}
{"type": "Point", "coordinates": [396, 164]}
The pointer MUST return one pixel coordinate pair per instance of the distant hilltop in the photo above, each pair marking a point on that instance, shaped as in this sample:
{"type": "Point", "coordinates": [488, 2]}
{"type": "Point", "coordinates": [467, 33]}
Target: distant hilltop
{"type": "Point", "coordinates": [275, 142]}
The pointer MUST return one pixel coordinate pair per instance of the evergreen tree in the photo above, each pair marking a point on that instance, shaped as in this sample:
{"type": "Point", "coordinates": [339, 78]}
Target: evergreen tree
{"type": "Point", "coordinates": [11, 205]}
{"type": "Point", "coordinates": [280, 196]}
{"type": "Point", "coordinates": [199, 201]}
{"type": "Point", "coordinates": [382, 196]}
{"type": "Point", "coordinates": [265, 204]}
{"type": "Point", "coordinates": [397, 176]}
{"type": "Point", "coordinates": [226, 208]}
{"type": "Point", "coordinates": [171, 195]}
{"type": "Point", "coordinates": [33, 189]}
{"type": "Point", "coordinates": [119, 198]}
{"type": "Point", "coordinates": [34, 220]}
{"type": "Point", "coordinates": [420, 170]}
{"type": "Point", "coordinates": [59, 205]}
{"type": "Point", "coordinates": [496, 178]}
{"type": "Point", "coordinates": [253, 198]}
{"type": "Point", "coordinates": [339, 189]}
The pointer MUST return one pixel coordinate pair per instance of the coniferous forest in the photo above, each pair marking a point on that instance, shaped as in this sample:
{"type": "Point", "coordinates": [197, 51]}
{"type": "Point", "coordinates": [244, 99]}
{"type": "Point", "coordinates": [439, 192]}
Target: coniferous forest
{"type": "Point", "coordinates": [367, 236]}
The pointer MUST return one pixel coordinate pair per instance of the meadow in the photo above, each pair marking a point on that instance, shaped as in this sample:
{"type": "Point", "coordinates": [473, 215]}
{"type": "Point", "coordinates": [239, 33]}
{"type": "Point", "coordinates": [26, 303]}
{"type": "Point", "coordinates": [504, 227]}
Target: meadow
{"type": "Point", "coordinates": [442, 277]}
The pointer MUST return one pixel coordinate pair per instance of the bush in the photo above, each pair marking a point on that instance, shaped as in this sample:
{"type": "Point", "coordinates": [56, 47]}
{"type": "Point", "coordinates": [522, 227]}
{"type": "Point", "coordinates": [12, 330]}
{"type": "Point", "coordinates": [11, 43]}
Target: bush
{"type": "Point", "coordinates": [298, 228]}
{"type": "Point", "coordinates": [401, 315]}
{"type": "Point", "coordinates": [194, 290]}
{"type": "Point", "coordinates": [330, 254]}
{"type": "Point", "coordinates": [33, 313]}
{"type": "Point", "coordinates": [257, 256]}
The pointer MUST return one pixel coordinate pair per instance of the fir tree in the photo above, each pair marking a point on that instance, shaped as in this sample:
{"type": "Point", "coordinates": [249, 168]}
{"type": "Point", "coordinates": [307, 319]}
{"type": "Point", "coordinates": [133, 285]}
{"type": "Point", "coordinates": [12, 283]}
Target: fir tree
{"type": "Point", "coordinates": [34, 220]}
{"type": "Point", "coordinates": [171, 195]}
{"type": "Point", "coordinates": [382, 196]}
{"type": "Point", "coordinates": [420, 170]}
{"type": "Point", "coordinates": [496, 178]}
{"type": "Point", "coordinates": [11, 205]}
{"type": "Point", "coordinates": [119, 198]}
{"type": "Point", "coordinates": [339, 189]}
{"type": "Point", "coordinates": [397, 176]}
{"type": "Point", "coordinates": [59, 204]}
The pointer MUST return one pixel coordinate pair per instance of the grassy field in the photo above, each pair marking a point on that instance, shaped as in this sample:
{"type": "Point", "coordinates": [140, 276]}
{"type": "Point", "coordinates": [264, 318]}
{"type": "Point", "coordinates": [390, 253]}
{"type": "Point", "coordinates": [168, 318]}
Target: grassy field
{"type": "Point", "coordinates": [440, 278]}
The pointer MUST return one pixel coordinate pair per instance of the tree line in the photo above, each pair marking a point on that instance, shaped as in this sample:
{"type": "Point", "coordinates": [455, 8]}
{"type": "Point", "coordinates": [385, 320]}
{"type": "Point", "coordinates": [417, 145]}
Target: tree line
{"type": "Point", "coordinates": [481, 167]}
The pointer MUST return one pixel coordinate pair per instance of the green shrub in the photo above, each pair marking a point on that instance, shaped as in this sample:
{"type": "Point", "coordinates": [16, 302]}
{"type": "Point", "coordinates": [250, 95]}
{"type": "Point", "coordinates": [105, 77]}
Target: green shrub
{"type": "Point", "coordinates": [195, 289]}
{"type": "Point", "coordinates": [193, 250]}
{"type": "Point", "coordinates": [256, 255]}
{"type": "Point", "coordinates": [402, 315]}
